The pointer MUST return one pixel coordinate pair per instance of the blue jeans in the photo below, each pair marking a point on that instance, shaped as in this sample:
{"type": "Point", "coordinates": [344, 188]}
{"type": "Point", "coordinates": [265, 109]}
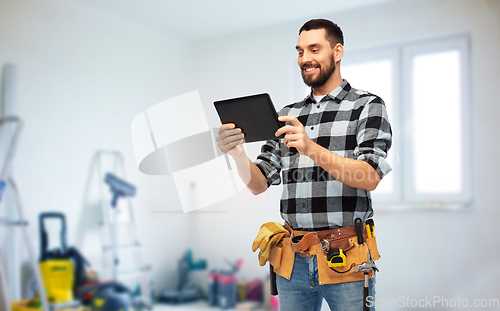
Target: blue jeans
{"type": "Point", "coordinates": [303, 292]}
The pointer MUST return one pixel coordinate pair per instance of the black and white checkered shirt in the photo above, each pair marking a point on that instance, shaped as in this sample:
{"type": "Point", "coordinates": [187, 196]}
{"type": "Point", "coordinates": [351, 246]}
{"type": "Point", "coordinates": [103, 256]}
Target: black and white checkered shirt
{"type": "Point", "coordinates": [348, 122]}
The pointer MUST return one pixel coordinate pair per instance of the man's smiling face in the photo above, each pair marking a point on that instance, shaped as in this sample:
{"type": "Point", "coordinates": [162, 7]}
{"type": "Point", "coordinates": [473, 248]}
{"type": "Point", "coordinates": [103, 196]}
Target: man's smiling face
{"type": "Point", "coordinates": [316, 57]}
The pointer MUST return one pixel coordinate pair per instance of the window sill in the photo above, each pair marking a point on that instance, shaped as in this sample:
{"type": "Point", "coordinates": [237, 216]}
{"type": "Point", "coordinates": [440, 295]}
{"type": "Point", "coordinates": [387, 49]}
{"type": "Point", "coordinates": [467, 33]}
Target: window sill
{"type": "Point", "coordinates": [381, 207]}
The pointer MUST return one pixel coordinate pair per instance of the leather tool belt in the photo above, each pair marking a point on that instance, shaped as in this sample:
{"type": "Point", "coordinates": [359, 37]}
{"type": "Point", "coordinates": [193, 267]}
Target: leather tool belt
{"type": "Point", "coordinates": [308, 244]}
{"type": "Point", "coordinates": [328, 239]}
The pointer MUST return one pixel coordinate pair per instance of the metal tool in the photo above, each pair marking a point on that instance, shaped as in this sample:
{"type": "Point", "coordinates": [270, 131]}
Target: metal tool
{"type": "Point", "coordinates": [368, 265]}
{"type": "Point", "coordinates": [365, 267]}
{"type": "Point", "coordinates": [325, 245]}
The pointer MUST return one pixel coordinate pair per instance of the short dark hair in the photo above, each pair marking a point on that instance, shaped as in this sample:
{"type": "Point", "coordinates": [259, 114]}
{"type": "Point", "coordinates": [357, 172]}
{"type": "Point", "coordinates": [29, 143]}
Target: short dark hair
{"type": "Point", "coordinates": [333, 32]}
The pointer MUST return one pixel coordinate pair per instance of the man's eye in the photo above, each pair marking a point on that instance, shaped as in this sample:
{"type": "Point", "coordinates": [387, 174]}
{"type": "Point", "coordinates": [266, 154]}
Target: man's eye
{"type": "Point", "coordinates": [314, 51]}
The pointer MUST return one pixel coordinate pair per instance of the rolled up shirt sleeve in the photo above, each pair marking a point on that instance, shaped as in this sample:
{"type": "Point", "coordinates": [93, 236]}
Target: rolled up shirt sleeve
{"type": "Point", "coordinates": [269, 162]}
{"type": "Point", "coordinates": [374, 136]}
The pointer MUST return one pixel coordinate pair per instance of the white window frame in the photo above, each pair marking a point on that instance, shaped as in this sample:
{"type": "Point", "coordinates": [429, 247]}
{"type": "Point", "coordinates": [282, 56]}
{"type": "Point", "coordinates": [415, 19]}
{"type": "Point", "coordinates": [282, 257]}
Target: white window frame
{"type": "Point", "coordinates": [401, 55]}
{"type": "Point", "coordinates": [461, 43]}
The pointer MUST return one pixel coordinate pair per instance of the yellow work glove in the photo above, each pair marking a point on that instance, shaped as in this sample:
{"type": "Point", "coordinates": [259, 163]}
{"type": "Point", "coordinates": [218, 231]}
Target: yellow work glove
{"type": "Point", "coordinates": [264, 253]}
{"type": "Point", "coordinates": [266, 231]}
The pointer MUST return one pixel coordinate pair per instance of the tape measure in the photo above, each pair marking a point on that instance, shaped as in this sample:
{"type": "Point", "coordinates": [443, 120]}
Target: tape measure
{"type": "Point", "coordinates": [336, 258]}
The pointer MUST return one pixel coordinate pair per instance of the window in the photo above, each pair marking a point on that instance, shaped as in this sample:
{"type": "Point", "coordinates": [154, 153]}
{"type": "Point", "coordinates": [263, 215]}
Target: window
{"type": "Point", "coordinates": [426, 90]}
{"type": "Point", "coordinates": [436, 172]}
{"type": "Point", "coordinates": [376, 74]}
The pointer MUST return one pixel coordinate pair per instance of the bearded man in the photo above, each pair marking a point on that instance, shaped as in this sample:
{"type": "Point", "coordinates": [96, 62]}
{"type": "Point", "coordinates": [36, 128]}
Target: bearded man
{"type": "Point", "coordinates": [332, 155]}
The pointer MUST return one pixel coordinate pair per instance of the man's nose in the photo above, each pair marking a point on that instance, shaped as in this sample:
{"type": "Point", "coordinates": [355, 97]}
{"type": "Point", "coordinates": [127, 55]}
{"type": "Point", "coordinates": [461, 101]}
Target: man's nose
{"type": "Point", "coordinates": [306, 58]}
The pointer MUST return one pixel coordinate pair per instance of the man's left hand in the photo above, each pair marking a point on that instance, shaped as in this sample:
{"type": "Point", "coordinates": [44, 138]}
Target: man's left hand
{"type": "Point", "coordinates": [295, 135]}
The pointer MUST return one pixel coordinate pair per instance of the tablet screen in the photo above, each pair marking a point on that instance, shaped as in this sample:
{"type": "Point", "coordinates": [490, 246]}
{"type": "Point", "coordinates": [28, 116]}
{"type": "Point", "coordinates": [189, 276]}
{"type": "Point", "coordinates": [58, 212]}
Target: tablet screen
{"type": "Point", "coordinates": [255, 115]}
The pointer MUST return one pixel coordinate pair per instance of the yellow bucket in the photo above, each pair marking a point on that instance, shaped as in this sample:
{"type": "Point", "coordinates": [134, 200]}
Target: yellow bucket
{"type": "Point", "coordinates": [28, 305]}
{"type": "Point", "coordinates": [24, 305]}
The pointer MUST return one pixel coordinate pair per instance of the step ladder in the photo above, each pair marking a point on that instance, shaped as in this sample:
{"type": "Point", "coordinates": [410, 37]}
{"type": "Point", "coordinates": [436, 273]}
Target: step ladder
{"type": "Point", "coordinates": [120, 219]}
{"type": "Point", "coordinates": [7, 182]}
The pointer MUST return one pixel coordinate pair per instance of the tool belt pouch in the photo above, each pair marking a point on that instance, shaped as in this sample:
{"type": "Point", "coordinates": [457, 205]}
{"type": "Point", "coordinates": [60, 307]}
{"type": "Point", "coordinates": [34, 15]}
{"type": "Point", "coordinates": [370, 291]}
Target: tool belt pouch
{"type": "Point", "coordinates": [301, 244]}
{"type": "Point", "coordinates": [372, 246]}
{"type": "Point", "coordinates": [354, 253]}
{"type": "Point", "coordinates": [319, 243]}
{"type": "Point", "coordinates": [282, 258]}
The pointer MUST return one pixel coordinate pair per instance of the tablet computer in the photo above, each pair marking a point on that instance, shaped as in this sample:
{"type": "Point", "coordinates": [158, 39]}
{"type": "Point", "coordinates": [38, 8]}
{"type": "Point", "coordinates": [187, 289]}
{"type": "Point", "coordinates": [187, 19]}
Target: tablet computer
{"type": "Point", "coordinates": [255, 115]}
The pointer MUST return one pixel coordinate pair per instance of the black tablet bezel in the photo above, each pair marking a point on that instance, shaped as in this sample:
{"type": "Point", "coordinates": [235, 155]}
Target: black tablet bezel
{"type": "Point", "coordinates": [254, 114]}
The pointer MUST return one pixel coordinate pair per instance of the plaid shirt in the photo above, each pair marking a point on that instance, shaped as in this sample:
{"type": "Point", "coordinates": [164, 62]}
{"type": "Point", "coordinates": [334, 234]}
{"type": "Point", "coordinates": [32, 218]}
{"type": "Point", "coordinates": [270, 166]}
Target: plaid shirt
{"type": "Point", "coordinates": [352, 124]}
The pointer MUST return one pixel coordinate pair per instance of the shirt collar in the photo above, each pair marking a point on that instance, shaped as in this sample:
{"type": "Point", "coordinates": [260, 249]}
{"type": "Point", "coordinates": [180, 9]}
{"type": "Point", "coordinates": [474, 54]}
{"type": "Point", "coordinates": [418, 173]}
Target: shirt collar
{"type": "Point", "coordinates": [337, 95]}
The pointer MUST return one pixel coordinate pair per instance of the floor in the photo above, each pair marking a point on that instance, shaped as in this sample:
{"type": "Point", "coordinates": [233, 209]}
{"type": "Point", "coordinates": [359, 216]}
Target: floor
{"type": "Point", "coordinates": [194, 306]}
{"type": "Point", "coordinates": [200, 306]}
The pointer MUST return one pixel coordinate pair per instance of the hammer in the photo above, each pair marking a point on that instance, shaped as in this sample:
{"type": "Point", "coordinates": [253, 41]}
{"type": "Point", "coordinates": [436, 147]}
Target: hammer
{"type": "Point", "coordinates": [365, 267]}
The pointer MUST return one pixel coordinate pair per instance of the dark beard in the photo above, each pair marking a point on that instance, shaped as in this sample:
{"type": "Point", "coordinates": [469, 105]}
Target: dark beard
{"type": "Point", "coordinates": [323, 75]}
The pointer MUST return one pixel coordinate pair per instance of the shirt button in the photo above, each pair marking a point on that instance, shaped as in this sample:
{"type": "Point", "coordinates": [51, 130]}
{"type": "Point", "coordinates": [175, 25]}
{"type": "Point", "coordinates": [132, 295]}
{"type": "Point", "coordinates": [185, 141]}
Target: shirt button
{"type": "Point", "coordinates": [317, 106]}
{"type": "Point", "coordinates": [312, 127]}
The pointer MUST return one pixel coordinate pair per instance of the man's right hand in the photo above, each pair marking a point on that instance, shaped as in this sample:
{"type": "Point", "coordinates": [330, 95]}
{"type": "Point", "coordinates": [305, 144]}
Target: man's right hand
{"type": "Point", "coordinates": [230, 139]}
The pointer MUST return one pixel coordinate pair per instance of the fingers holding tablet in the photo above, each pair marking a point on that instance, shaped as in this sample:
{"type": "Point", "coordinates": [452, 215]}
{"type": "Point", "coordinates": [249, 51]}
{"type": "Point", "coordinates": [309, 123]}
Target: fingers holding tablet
{"type": "Point", "coordinates": [295, 134]}
{"type": "Point", "coordinates": [229, 139]}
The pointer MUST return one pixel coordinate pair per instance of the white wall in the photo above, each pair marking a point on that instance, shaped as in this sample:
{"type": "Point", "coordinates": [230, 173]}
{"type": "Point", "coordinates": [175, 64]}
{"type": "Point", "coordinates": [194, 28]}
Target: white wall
{"type": "Point", "coordinates": [424, 253]}
{"type": "Point", "coordinates": [82, 76]}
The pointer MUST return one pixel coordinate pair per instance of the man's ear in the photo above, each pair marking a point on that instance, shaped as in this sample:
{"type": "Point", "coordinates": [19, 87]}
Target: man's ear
{"type": "Point", "coordinates": [338, 52]}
